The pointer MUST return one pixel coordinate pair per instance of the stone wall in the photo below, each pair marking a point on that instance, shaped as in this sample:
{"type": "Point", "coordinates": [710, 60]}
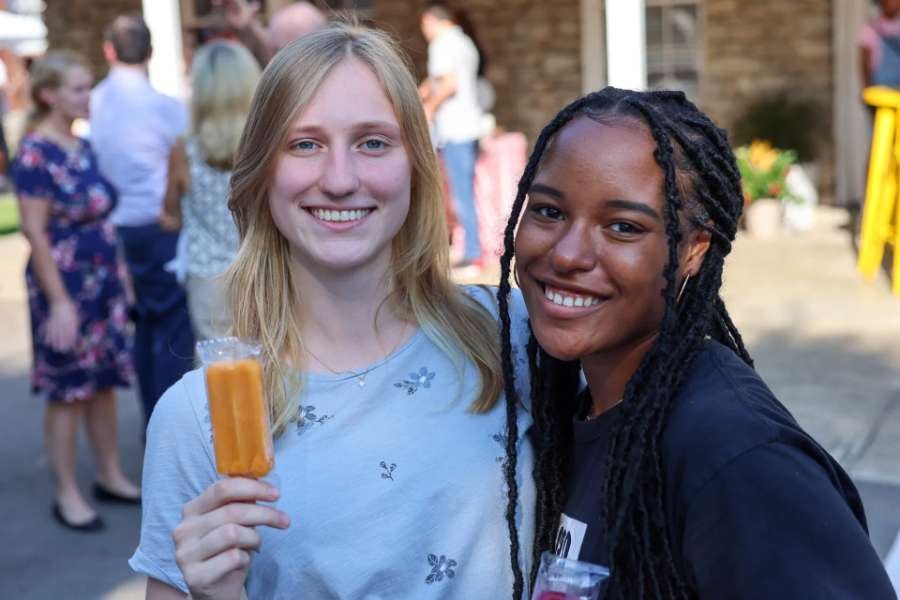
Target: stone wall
{"type": "Point", "coordinates": [755, 50]}
{"type": "Point", "coordinates": [78, 25]}
{"type": "Point", "coordinates": [533, 52]}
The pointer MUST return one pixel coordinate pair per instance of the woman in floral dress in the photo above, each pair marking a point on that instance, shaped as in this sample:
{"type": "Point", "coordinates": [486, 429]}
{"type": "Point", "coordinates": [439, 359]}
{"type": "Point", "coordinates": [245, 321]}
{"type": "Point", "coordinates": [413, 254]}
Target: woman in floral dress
{"type": "Point", "coordinates": [76, 288]}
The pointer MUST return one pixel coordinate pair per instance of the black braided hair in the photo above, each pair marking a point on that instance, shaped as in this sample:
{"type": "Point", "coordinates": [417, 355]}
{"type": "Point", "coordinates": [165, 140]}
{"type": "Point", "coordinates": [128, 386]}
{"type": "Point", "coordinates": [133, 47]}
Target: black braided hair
{"type": "Point", "coordinates": [702, 183]}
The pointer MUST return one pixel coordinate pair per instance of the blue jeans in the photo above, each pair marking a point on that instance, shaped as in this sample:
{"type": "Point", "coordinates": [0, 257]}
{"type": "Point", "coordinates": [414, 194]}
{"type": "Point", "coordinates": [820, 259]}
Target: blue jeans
{"type": "Point", "coordinates": [459, 159]}
{"type": "Point", "coordinates": [163, 338]}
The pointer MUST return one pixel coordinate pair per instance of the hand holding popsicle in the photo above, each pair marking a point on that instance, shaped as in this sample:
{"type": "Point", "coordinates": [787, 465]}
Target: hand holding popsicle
{"type": "Point", "coordinates": [213, 541]}
{"type": "Point", "coordinates": [215, 537]}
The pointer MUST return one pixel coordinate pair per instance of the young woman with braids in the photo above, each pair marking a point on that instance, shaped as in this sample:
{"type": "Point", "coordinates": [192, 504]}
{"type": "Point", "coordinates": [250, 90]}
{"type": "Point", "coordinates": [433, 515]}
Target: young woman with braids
{"type": "Point", "coordinates": [675, 466]}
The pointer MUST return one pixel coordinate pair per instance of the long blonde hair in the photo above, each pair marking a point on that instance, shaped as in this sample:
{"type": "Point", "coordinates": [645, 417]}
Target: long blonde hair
{"type": "Point", "coordinates": [49, 73]}
{"type": "Point", "coordinates": [223, 77]}
{"type": "Point", "coordinates": [261, 289]}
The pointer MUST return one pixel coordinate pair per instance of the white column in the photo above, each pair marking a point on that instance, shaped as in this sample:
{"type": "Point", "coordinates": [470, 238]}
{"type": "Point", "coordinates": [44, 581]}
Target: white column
{"type": "Point", "coordinates": [166, 67]}
{"type": "Point", "coordinates": [593, 51]}
{"type": "Point", "coordinates": [626, 47]}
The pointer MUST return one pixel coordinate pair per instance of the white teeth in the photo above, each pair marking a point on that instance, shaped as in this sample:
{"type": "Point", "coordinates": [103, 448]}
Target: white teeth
{"type": "Point", "coordinates": [570, 300]}
{"type": "Point", "coordinates": [339, 215]}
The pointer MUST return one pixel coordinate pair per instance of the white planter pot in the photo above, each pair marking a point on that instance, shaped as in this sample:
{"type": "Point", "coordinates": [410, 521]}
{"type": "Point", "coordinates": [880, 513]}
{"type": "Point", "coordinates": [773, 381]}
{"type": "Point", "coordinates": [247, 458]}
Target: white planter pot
{"type": "Point", "coordinates": [763, 218]}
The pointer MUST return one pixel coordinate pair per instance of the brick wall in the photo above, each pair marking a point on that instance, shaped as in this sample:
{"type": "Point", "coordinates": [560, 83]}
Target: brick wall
{"type": "Point", "coordinates": [762, 48]}
{"type": "Point", "coordinates": [78, 25]}
{"type": "Point", "coordinates": [752, 49]}
{"type": "Point", "coordinates": [533, 51]}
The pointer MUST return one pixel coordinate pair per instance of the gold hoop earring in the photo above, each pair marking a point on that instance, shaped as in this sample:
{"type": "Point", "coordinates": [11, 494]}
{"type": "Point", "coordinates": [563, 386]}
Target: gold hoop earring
{"type": "Point", "coordinates": [687, 278]}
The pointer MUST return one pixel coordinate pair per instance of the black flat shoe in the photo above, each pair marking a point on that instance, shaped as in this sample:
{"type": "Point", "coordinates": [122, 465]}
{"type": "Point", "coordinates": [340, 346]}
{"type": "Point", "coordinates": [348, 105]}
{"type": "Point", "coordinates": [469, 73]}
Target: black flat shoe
{"type": "Point", "coordinates": [95, 524]}
{"type": "Point", "coordinates": [105, 495]}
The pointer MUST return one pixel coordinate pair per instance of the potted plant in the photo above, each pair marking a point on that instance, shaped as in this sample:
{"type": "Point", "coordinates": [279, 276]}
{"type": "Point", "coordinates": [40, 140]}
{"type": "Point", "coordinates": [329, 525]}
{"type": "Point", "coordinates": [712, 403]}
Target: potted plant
{"type": "Point", "coordinates": [764, 170]}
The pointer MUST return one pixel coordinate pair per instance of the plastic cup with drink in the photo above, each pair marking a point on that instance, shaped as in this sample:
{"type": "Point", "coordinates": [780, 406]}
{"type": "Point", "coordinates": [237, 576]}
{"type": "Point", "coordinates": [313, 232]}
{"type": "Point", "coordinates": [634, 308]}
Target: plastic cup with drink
{"type": "Point", "coordinates": [566, 579]}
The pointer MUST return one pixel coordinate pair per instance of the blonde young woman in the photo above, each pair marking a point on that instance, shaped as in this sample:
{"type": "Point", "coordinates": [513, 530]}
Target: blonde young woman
{"type": "Point", "coordinates": [223, 77]}
{"type": "Point", "coordinates": [382, 375]}
{"type": "Point", "coordinates": [76, 283]}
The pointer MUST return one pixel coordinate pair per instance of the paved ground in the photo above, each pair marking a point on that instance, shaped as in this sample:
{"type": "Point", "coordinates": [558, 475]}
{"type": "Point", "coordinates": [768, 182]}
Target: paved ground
{"type": "Point", "coordinates": [825, 341]}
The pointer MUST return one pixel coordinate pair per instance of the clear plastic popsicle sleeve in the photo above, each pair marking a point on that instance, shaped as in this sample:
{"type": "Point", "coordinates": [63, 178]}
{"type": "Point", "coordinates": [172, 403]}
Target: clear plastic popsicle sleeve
{"type": "Point", "coordinates": [241, 425]}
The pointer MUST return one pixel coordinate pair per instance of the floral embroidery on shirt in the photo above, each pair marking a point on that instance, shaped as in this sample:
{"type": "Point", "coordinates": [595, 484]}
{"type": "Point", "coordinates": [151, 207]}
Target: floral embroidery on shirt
{"type": "Point", "coordinates": [519, 356]}
{"type": "Point", "coordinates": [441, 566]}
{"type": "Point", "coordinates": [308, 417]}
{"type": "Point", "coordinates": [414, 381]}
{"type": "Point", "coordinates": [501, 438]}
{"type": "Point", "coordinates": [388, 470]}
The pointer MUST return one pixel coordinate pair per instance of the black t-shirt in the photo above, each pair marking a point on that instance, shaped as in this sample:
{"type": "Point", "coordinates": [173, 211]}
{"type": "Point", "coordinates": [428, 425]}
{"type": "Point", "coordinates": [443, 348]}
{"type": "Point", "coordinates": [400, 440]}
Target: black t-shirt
{"type": "Point", "coordinates": [755, 507]}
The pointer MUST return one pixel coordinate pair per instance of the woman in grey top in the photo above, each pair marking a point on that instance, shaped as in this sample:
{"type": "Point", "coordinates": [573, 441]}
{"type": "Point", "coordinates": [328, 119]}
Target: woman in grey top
{"type": "Point", "coordinates": [223, 77]}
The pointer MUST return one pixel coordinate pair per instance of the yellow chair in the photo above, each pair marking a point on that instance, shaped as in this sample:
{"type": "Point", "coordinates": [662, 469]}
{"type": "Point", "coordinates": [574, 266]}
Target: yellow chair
{"type": "Point", "coordinates": [881, 211]}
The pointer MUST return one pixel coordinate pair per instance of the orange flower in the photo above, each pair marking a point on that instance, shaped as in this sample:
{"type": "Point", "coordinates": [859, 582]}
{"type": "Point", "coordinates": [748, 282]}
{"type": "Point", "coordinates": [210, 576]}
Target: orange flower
{"type": "Point", "coordinates": [762, 155]}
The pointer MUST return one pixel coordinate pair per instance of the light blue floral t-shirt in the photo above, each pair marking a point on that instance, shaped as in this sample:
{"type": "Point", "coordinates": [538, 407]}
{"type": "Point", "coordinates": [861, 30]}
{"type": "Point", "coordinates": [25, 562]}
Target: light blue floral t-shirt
{"type": "Point", "coordinates": [394, 487]}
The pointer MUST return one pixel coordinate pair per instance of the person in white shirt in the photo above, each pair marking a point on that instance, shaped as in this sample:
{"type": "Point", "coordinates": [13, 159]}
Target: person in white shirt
{"type": "Point", "coordinates": [451, 104]}
{"type": "Point", "coordinates": [133, 129]}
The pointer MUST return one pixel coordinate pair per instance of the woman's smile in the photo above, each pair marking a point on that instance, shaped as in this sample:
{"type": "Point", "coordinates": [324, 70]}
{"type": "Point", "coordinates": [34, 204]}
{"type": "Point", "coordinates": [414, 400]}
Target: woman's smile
{"type": "Point", "coordinates": [591, 246]}
{"type": "Point", "coordinates": [341, 188]}
{"type": "Point", "coordinates": [340, 219]}
{"type": "Point", "coordinates": [564, 302]}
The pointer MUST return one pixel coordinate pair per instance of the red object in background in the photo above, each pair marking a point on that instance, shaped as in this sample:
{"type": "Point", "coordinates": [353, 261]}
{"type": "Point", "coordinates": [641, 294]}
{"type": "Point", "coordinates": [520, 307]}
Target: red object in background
{"type": "Point", "coordinates": [501, 161]}
{"type": "Point", "coordinates": [554, 596]}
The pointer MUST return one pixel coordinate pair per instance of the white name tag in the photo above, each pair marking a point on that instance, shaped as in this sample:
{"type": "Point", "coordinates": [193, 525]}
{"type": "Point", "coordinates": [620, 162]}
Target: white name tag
{"type": "Point", "coordinates": [569, 537]}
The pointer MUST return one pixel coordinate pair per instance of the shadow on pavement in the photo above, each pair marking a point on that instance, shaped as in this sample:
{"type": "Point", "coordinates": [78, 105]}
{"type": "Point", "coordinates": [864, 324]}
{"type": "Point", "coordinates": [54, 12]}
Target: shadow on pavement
{"type": "Point", "coordinates": [847, 397]}
{"type": "Point", "coordinates": [41, 560]}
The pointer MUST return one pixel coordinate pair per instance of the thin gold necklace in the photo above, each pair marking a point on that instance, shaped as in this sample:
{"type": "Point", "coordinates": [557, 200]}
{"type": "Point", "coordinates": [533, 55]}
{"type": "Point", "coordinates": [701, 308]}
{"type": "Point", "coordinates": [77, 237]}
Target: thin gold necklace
{"type": "Point", "coordinates": [361, 375]}
{"type": "Point", "coordinates": [591, 417]}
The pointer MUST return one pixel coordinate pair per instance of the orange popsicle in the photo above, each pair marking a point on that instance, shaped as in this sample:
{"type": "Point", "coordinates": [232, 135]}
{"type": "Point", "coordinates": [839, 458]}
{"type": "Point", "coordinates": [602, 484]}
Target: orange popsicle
{"type": "Point", "coordinates": [241, 433]}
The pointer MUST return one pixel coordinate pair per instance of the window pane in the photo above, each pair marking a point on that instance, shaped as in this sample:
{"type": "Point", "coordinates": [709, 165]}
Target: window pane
{"type": "Point", "coordinates": [654, 25]}
{"type": "Point", "coordinates": [682, 59]}
{"type": "Point", "coordinates": [672, 30]}
{"type": "Point", "coordinates": [683, 20]}
{"type": "Point", "coordinates": [655, 81]}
